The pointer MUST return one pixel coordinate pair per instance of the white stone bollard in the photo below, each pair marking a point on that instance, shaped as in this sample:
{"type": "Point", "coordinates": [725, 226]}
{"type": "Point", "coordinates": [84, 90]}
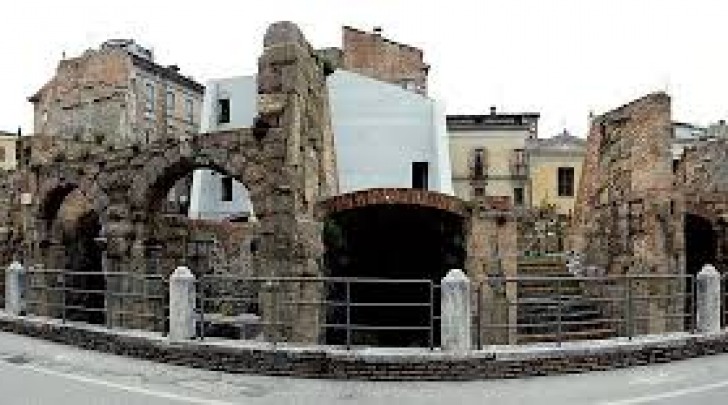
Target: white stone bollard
{"type": "Point", "coordinates": [13, 289]}
{"type": "Point", "coordinates": [181, 304]}
{"type": "Point", "coordinates": [455, 333]}
{"type": "Point", "coordinates": [708, 296]}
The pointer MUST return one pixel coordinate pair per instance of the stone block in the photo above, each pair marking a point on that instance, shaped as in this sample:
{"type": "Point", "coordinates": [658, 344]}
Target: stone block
{"type": "Point", "coordinates": [709, 297]}
{"type": "Point", "coordinates": [181, 304]}
{"type": "Point", "coordinates": [455, 313]}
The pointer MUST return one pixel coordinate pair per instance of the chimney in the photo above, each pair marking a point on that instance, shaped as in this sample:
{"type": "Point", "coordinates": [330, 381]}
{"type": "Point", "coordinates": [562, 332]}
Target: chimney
{"type": "Point", "coordinates": [20, 132]}
{"type": "Point", "coordinates": [721, 122]}
{"type": "Point", "coordinates": [492, 110]}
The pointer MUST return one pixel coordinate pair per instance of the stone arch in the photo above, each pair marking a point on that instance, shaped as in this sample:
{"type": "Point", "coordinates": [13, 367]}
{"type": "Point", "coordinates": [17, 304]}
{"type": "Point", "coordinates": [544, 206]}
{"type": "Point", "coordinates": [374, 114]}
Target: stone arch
{"type": "Point", "coordinates": [160, 173]}
{"type": "Point", "coordinates": [53, 190]}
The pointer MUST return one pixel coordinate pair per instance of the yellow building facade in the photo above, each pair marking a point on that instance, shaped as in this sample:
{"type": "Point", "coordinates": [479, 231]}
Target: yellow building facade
{"type": "Point", "coordinates": [554, 170]}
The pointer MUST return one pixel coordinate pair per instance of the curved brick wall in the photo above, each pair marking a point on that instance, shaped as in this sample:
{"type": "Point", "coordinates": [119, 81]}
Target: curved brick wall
{"type": "Point", "coordinates": [318, 362]}
{"type": "Point", "coordinates": [393, 196]}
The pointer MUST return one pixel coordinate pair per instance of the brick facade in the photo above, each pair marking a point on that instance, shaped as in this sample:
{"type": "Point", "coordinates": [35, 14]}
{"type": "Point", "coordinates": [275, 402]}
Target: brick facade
{"type": "Point", "coordinates": [373, 55]}
{"type": "Point", "coordinates": [115, 96]}
{"type": "Point", "coordinates": [398, 196]}
{"type": "Point", "coordinates": [331, 364]}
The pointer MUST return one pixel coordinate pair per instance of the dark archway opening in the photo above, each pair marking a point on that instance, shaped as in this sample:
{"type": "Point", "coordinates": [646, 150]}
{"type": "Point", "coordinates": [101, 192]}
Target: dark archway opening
{"type": "Point", "coordinates": [700, 243]}
{"type": "Point", "coordinates": [84, 282]}
{"type": "Point", "coordinates": [391, 242]}
{"type": "Point", "coordinates": [700, 249]}
{"type": "Point", "coordinates": [192, 213]}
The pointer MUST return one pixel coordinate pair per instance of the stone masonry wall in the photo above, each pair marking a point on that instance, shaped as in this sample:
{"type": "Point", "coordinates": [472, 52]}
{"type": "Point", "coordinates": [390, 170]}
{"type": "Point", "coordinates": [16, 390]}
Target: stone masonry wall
{"type": "Point", "coordinates": [623, 215]}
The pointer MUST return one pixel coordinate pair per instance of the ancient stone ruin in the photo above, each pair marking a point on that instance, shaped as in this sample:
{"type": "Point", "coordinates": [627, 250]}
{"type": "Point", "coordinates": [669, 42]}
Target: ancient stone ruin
{"type": "Point", "coordinates": [98, 208]}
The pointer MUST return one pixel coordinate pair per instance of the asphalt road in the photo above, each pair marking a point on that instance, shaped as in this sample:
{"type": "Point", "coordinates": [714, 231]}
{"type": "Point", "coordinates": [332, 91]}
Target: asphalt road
{"type": "Point", "coordinates": [38, 372]}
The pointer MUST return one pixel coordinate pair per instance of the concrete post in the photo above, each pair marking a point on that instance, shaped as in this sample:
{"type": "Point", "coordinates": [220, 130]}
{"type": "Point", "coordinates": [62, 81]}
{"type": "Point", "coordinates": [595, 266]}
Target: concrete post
{"type": "Point", "coordinates": [708, 296]}
{"type": "Point", "coordinates": [181, 304]}
{"type": "Point", "coordinates": [13, 292]}
{"type": "Point", "coordinates": [455, 332]}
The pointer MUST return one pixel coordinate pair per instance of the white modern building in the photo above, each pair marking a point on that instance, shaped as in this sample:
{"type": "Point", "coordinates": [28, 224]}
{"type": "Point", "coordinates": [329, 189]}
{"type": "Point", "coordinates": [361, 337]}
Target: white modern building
{"type": "Point", "coordinates": [384, 136]}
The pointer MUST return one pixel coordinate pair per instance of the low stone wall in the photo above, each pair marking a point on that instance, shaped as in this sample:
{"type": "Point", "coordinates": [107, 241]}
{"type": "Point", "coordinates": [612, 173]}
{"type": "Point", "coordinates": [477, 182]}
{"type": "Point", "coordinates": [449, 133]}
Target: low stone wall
{"type": "Point", "coordinates": [373, 364]}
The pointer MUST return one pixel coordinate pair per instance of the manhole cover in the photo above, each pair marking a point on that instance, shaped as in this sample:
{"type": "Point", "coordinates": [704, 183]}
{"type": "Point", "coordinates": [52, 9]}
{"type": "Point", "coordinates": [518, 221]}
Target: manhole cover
{"type": "Point", "coordinates": [18, 359]}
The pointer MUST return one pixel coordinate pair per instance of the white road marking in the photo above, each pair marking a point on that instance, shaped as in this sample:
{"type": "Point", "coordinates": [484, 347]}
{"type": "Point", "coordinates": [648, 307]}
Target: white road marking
{"type": "Point", "coordinates": [135, 390]}
{"type": "Point", "coordinates": [668, 395]}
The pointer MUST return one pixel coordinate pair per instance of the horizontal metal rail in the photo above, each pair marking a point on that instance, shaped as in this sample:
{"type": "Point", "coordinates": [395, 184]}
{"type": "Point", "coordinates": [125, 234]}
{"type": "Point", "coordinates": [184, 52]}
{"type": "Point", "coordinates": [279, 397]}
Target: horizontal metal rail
{"type": "Point", "coordinates": [65, 294]}
{"type": "Point", "coordinates": [336, 297]}
{"type": "Point", "coordinates": [556, 308]}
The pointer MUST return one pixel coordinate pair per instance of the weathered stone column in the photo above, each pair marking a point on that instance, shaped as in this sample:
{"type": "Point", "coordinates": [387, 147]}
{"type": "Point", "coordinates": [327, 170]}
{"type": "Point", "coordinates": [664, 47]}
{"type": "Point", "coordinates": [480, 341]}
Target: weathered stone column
{"type": "Point", "coordinates": [708, 295]}
{"type": "Point", "coordinates": [13, 293]}
{"type": "Point", "coordinates": [455, 332]}
{"type": "Point", "coordinates": [181, 304]}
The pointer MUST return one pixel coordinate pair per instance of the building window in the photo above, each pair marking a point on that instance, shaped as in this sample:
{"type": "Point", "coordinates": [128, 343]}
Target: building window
{"type": "Point", "coordinates": [223, 111]}
{"type": "Point", "coordinates": [566, 181]}
{"type": "Point", "coordinates": [150, 97]}
{"type": "Point", "coordinates": [227, 188]}
{"type": "Point", "coordinates": [170, 102]}
{"type": "Point", "coordinates": [479, 162]}
{"type": "Point", "coordinates": [519, 157]}
{"type": "Point", "coordinates": [478, 191]}
{"type": "Point", "coordinates": [518, 196]}
{"type": "Point", "coordinates": [190, 110]}
{"type": "Point", "coordinates": [409, 84]}
{"type": "Point", "coordinates": [419, 175]}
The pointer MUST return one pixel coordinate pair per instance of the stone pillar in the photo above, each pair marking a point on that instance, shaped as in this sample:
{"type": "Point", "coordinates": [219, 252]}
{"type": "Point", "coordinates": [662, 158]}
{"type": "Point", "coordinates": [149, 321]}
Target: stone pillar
{"type": "Point", "coordinates": [455, 332]}
{"type": "Point", "coordinates": [708, 296]}
{"type": "Point", "coordinates": [181, 304]}
{"type": "Point", "coordinates": [13, 292]}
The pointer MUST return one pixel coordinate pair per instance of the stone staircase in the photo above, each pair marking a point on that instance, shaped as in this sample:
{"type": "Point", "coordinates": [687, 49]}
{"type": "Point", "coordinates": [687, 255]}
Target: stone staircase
{"type": "Point", "coordinates": [539, 300]}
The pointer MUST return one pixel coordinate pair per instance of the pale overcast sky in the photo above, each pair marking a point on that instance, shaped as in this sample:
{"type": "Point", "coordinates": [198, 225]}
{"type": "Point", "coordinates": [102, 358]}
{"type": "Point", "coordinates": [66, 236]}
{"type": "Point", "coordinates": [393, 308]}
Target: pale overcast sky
{"type": "Point", "coordinates": [561, 58]}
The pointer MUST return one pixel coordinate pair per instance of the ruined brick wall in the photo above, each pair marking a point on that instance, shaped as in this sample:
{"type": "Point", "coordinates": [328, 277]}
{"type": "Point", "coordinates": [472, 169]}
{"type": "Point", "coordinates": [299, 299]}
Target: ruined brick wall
{"type": "Point", "coordinates": [102, 96]}
{"type": "Point", "coordinates": [702, 190]}
{"type": "Point", "coordinates": [372, 55]}
{"type": "Point", "coordinates": [623, 219]}
{"type": "Point", "coordinates": [86, 97]}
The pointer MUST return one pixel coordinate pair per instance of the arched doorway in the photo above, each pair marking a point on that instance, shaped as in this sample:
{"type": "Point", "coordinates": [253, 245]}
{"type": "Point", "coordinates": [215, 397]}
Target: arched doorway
{"type": "Point", "coordinates": [700, 243]}
{"type": "Point", "coordinates": [389, 241]}
{"type": "Point", "coordinates": [70, 248]}
{"type": "Point", "coordinates": [84, 281]}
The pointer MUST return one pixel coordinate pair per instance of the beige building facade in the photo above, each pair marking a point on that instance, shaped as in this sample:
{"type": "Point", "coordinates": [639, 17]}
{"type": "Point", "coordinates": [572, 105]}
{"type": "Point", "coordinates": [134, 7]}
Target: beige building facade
{"type": "Point", "coordinates": [117, 94]}
{"type": "Point", "coordinates": [8, 151]}
{"type": "Point", "coordinates": [488, 155]}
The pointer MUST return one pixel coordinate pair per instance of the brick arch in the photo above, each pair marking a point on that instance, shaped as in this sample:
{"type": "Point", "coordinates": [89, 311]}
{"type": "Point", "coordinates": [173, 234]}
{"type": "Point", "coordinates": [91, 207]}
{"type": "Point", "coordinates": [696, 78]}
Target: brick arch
{"type": "Point", "coordinates": [392, 196]}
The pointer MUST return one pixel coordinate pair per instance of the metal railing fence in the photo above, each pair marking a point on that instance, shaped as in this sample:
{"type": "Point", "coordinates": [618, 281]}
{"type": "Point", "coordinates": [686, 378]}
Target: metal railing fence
{"type": "Point", "coordinates": [130, 300]}
{"type": "Point", "coordinates": [724, 300]}
{"type": "Point", "coordinates": [2, 288]}
{"type": "Point", "coordinates": [337, 311]}
{"type": "Point", "coordinates": [531, 309]}
{"type": "Point", "coordinates": [379, 312]}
